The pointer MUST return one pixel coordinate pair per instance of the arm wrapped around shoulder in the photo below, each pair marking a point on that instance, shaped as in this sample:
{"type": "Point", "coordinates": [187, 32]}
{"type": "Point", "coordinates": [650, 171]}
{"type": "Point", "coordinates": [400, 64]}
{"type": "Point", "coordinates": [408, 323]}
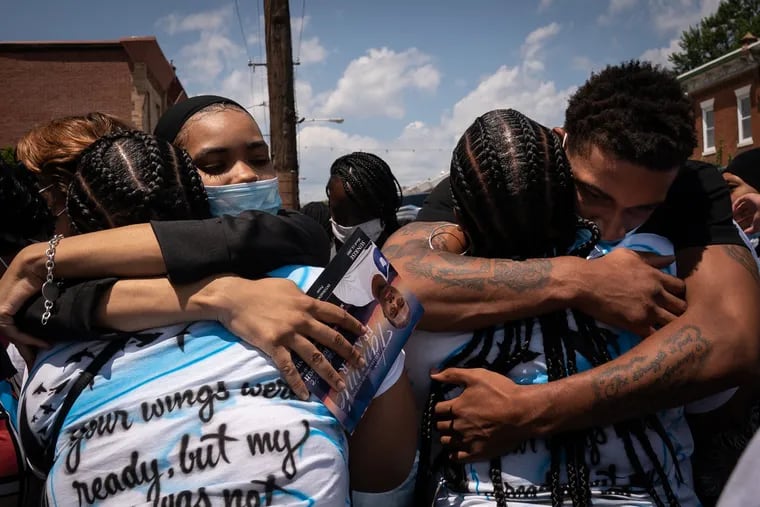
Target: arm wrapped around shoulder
{"type": "Point", "coordinates": [250, 244]}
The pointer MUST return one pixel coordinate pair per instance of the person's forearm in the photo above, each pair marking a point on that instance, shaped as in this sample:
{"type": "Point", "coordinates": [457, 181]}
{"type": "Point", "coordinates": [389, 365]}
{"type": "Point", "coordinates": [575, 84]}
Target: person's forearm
{"type": "Point", "coordinates": [713, 346]}
{"type": "Point", "coordinates": [132, 305]}
{"type": "Point", "coordinates": [127, 251]}
{"type": "Point", "coordinates": [465, 293]}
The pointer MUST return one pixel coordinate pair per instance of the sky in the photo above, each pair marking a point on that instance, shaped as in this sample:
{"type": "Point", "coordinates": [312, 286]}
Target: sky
{"type": "Point", "coordinates": [406, 76]}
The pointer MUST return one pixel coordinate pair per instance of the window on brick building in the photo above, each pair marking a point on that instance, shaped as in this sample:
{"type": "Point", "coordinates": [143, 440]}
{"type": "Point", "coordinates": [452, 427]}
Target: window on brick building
{"type": "Point", "coordinates": [744, 115]}
{"type": "Point", "coordinates": [708, 127]}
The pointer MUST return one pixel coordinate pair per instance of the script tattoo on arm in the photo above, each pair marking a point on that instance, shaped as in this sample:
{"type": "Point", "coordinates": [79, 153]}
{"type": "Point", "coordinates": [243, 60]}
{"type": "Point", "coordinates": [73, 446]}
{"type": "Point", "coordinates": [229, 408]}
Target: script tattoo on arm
{"type": "Point", "coordinates": [671, 367]}
{"type": "Point", "coordinates": [410, 250]}
{"type": "Point", "coordinates": [742, 256]}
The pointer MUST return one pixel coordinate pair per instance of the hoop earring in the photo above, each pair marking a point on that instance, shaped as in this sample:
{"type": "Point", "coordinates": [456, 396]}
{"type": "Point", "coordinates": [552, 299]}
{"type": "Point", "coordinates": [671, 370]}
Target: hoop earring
{"type": "Point", "coordinates": [434, 232]}
{"type": "Point", "coordinates": [564, 141]}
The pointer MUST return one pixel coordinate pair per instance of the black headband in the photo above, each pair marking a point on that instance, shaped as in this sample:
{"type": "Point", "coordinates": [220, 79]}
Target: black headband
{"type": "Point", "coordinates": [746, 165]}
{"type": "Point", "coordinates": [171, 121]}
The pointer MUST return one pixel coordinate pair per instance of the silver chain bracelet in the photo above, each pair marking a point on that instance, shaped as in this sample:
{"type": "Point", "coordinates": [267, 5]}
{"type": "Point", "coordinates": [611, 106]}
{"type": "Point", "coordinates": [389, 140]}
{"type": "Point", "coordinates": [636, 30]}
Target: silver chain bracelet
{"type": "Point", "coordinates": [50, 290]}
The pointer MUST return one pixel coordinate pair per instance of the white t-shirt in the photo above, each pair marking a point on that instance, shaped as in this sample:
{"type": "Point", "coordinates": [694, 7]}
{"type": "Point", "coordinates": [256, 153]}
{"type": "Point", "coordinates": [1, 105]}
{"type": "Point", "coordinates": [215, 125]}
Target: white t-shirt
{"type": "Point", "coordinates": [525, 470]}
{"type": "Point", "coordinates": [354, 288]}
{"type": "Point", "coordinates": [185, 415]}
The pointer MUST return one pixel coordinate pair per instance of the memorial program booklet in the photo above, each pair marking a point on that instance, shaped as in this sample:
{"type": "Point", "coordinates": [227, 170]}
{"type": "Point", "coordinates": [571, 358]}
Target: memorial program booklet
{"type": "Point", "coordinates": [362, 281]}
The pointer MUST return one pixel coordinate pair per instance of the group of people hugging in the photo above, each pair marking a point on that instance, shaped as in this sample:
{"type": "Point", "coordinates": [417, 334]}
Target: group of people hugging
{"type": "Point", "coordinates": [590, 317]}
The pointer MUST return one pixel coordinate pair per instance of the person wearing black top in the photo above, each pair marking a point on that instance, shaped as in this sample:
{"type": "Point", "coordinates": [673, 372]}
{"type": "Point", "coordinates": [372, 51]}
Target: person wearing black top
{"type": "Point", "coordinates": [628, 134]}
{"type": "Point", "coordinates": [743, 178]}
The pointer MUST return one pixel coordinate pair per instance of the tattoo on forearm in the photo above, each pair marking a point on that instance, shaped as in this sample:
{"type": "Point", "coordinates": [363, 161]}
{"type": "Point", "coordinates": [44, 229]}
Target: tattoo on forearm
{"type": "Point", "coordinates": [681, 355]}
{"type": "Point", "coordinates": [472, 276]}
{"type": "Point", "coordinates": [408, 249]}
{"type": "Point", "coordinates": [742, 256]}
{"type": "Point", "coordinates": [523, 275]}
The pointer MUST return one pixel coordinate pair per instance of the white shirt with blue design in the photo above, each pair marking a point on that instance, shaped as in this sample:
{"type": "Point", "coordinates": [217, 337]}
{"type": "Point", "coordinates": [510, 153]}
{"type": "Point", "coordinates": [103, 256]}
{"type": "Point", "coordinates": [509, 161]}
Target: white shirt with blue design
{"type": "Point", "coordinates": [185, 415]}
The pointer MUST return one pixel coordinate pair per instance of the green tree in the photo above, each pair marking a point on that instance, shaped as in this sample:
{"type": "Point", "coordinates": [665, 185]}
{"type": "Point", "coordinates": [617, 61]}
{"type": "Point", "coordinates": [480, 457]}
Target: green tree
{"type": "Point", "coordinates": [8, 154]}
{"type": "Point", "coordinates": [717, 34]}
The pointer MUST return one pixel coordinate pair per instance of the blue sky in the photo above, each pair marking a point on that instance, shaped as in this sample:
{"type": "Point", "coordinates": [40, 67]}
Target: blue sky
{"type": "Point", "coordinates": [406, 76]}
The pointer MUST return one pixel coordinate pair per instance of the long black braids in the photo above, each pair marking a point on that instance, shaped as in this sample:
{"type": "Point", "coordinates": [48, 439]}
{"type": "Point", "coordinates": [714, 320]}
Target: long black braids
{"type": "Point", "coordinates": [371, 186]}
{"type": "Point", "coordinates": [132, 177]}
{"type": "Point", "coordinates": [512, 189]}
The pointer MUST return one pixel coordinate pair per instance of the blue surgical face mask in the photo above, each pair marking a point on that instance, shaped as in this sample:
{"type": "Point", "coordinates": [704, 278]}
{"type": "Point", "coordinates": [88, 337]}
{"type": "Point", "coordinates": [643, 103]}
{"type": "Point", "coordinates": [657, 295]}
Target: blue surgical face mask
{"type": "Point", "coordinates": [234, 199]}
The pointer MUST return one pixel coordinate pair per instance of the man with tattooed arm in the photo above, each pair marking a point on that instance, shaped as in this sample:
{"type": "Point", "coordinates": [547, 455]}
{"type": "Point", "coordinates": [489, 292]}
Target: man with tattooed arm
{"type": "Point", "coordinates": [628, 140]}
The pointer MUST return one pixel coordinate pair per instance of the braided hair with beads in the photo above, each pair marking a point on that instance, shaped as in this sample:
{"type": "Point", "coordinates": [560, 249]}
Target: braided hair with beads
{"type": "Point", "coordinates": [371, 186]}
{"type": "Point", "coordinates": [513, 194]}
{"type": "Point", "coordinates": [132, 177]}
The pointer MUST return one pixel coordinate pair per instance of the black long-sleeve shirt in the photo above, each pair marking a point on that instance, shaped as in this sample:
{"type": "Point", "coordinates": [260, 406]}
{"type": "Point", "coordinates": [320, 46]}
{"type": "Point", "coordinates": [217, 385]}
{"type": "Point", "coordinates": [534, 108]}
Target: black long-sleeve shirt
{"type": "Point", "coordinates": [249, 245]}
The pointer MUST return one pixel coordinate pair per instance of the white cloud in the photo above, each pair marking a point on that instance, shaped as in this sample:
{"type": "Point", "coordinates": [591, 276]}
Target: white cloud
{"type": "Point", "coordinates": [304, 96]}
{"type": "Point", "coordinates": [378, 83]}
{"type": "Point", "coordinates": [375, 84]}
{"type": "Point", "coordinates": [532, 48]}
{"type": "Point", "coordinates": [200, 21]}
{"type": "Point", "coordinates": [422, 150]}
{"type": "Point", "coordinates": [615, 8]}
{"type": "Point", "coordinates": [201, 62]}
{"type": "Point", "coordinates": [242, 87]}
{"type": "Point", "coordinates": [535, 40]}
{"type": "Point", "coordinates": [510, 87]}
{"type": "Point", "coordinates": [311, 51]}
{"type": "Point", "coordinates": [672, 17]}
{"type": "Point", "coordinates": [306, 50]}
{"type": "Point", "coordinates": [298, 24]}
{"type": "Point", "coordinates": [660, 55]}
{"type": "Point", "coordinates": [205, 59]}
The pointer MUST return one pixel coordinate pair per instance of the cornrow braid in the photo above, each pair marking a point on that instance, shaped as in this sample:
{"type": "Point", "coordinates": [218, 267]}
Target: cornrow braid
{"type": "Point", "coordinates": [132, 177]}
{"type": "Point", "coordinates": [371, 186]}
{"type": "Point", "coordinates": [512, 188]}
{"type": "Point", "coordinates": [504, 181]}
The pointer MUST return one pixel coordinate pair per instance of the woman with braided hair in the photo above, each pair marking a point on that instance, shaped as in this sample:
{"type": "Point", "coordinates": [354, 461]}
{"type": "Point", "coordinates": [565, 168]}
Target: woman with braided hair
{"type": "Point", "coordinates": [229, 427]}
{"type": "Point", "coordinates": [515, 199]}
{"type": "Point", "coordinates": [51, 151]}
{"type": "Point", "coordinates": [363, 194]}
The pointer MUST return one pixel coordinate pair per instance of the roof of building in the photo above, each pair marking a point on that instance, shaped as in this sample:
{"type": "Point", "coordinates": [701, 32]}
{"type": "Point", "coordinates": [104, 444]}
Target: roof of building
{"type": "Point", "coordinates": [722, 68]}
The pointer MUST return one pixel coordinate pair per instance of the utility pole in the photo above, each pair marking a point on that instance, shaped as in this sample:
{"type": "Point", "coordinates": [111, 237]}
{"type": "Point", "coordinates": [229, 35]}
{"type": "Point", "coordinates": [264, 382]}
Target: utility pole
{"type": "Point", "coordinates": [282, 110]}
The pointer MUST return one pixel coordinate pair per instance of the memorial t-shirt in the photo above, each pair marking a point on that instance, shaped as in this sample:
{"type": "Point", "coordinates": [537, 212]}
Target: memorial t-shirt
{"type": "Point", "coordinates": [184, 415]}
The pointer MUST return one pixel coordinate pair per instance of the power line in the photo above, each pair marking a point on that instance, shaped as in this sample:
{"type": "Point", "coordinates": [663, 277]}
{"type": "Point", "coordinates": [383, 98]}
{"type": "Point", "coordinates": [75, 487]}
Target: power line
{"type": "Point", "coordinates": [242, 30]}
{"type": "Point", "coordinates": [295, 73]}
{"type": "Point", "coordinates": [300, 32]}
{"type": "Point", "coordinates": [262, 39]}
{"type": "Point", "coordinates": [251, 65]}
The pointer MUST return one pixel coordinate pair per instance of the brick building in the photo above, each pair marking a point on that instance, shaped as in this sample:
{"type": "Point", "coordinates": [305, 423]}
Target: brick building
{"type": "Point", "coordinates": [129, 78]}
{"type": "Point", "coordinates": [725, 96]}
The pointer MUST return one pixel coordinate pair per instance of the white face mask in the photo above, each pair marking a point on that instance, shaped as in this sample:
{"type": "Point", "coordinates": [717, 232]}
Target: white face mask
{"type": "Point", "coordinates": [234, 199]}
{"type": "Point", "coordinates": [372, 228]}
